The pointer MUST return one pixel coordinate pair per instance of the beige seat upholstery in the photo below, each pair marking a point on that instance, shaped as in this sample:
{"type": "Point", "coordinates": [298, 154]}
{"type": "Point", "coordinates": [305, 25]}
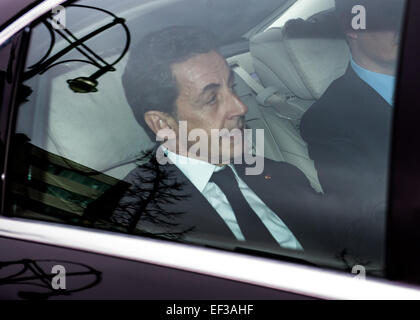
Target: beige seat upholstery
{"type": "Point", "coordinates": [301, 65]}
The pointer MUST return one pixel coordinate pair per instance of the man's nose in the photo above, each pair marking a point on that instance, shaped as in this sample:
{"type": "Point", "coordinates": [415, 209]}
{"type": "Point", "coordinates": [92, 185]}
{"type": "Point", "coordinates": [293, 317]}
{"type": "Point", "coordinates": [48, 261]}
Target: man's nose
{"type": "Point", "coordinates": [237, 107]}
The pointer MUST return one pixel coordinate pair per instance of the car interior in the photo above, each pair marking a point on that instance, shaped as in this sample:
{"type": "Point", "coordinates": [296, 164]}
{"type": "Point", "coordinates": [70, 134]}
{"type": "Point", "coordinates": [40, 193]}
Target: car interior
{"type": "Point", "coordinates": [295, 68]}
{"type": "Point", "coordinates": [88, 142]}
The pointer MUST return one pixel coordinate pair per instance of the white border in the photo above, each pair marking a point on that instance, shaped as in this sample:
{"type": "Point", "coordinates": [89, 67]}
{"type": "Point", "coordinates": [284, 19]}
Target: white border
{"type": "Point", "coordinates": [269, 273]}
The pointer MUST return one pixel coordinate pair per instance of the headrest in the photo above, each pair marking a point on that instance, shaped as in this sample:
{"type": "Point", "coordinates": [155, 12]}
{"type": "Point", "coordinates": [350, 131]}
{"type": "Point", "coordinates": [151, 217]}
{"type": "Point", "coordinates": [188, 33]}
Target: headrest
{"type": "Point", "coordinates": [305, 63]}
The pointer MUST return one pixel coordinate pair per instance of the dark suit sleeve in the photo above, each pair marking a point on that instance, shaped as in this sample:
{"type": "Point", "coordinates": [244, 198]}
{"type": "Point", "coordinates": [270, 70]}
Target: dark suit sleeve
{"type": "Point", "coordinates": [348, 170]}
{"type": "Point", "coordinates": [339, 158]}
{"type": "Point", "coordinates": [347, 131]}
{"type": "Point", "coordinates": [304, 211]}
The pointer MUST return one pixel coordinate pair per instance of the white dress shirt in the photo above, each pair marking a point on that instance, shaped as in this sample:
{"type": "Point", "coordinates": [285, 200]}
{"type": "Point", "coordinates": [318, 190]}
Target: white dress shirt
{"type": "Point", "coordinates": [199, 173]}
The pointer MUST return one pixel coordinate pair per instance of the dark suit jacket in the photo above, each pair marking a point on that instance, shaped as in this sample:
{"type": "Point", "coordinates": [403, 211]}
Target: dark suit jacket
{"type": "Point", "coordinates": [161, 201]}
{"type": "Point", "coordinates": [348, 136]}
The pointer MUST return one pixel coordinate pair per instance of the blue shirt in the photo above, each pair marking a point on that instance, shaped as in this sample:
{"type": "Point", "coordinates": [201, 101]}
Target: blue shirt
{"type": "Point", "coordinates": [383, 84]}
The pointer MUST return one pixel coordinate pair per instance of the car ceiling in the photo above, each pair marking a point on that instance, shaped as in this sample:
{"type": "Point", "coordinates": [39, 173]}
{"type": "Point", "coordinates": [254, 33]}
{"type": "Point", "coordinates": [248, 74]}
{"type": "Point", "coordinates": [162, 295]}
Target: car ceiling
{"type": "Point", "coordinates": [229, 20]}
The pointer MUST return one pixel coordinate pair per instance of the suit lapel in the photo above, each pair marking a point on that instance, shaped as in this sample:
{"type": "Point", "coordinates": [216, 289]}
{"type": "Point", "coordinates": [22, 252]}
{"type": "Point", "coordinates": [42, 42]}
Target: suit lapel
{"type": "Point", "coordinates": [197, 211]}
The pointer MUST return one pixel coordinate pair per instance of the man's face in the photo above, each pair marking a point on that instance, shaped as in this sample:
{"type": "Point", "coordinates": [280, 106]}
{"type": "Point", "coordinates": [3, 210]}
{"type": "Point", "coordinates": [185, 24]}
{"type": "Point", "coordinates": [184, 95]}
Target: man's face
{"type": "Point", "coordinates": [378, 49]}
{"type": "Point", "coordinates": [207, 101]}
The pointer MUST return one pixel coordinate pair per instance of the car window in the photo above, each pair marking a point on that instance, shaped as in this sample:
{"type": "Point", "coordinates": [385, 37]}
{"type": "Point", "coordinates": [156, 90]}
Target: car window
{"type": "Point", "coordinates": [136, 117]}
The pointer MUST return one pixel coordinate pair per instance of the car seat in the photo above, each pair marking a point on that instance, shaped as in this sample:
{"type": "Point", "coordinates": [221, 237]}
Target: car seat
{"type": "Point", "coordinates": [299, 61]}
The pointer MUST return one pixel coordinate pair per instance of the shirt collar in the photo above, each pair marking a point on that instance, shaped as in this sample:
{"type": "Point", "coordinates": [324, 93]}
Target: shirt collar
{"type": "Point", "coordinates": [383, 84]}
{"type": "Point", "coordinates": [197, 171]}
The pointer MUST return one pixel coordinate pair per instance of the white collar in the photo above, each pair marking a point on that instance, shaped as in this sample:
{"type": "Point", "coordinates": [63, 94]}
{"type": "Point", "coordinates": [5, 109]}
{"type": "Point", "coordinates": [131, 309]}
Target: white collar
{"type": "Point", "coordinates": [197, 171]}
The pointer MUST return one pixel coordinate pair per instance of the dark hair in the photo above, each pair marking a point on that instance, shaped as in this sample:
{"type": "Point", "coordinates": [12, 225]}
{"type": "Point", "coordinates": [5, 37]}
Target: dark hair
{"type": "Point", "coordinates": [148, 80]}
{"type": "Point", "coordinates": [380, 14]}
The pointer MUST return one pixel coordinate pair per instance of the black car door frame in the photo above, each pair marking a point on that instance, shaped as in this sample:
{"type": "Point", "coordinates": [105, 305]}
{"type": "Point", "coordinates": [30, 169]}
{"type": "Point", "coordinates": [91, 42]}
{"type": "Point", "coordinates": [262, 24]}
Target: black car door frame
{"type": "Point", "coordinates": [16, 62]}
{"type": "Point", "coordinates": [403, 219]}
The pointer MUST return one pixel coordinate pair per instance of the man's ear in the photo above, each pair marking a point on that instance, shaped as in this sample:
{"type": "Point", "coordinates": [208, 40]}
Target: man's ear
{"type": "Point", "coordinates": [156, 120]}
{"type": "Point", "coordinates": [161, 123]}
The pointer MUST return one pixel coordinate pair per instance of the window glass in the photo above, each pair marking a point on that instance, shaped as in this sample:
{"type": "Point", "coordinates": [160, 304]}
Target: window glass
{"type": "Point", "coordinates": [141, 117]}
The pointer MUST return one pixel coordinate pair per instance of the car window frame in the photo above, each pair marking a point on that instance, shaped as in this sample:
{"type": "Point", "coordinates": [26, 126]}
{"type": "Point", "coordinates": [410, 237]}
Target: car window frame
{"type": "Point", "coordinates": [403, 241]}
{"type": "Point", "coordinates": [20, 44]}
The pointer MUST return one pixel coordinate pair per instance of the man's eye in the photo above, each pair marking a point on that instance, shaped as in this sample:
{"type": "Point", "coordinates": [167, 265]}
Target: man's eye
{"type": "Point", "coordinates": [233, 87]}
{"type": "Point", "coordinates": [212, 100]}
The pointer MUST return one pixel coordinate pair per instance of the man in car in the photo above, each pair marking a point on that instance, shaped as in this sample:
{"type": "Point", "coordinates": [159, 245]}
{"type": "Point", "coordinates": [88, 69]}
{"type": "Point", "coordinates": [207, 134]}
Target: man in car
{"type": "Point", "coordinates": [348, 129]}
{"type": "Point", "coordinates": [176, 82]}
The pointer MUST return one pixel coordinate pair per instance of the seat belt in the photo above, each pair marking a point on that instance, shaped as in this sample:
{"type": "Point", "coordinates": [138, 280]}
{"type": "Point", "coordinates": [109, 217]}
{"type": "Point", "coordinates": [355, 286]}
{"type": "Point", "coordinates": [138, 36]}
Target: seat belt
{"type": "Point", "coordinates": [269, 97]}
{"type": "Point", "coordinates": [261, 92]}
